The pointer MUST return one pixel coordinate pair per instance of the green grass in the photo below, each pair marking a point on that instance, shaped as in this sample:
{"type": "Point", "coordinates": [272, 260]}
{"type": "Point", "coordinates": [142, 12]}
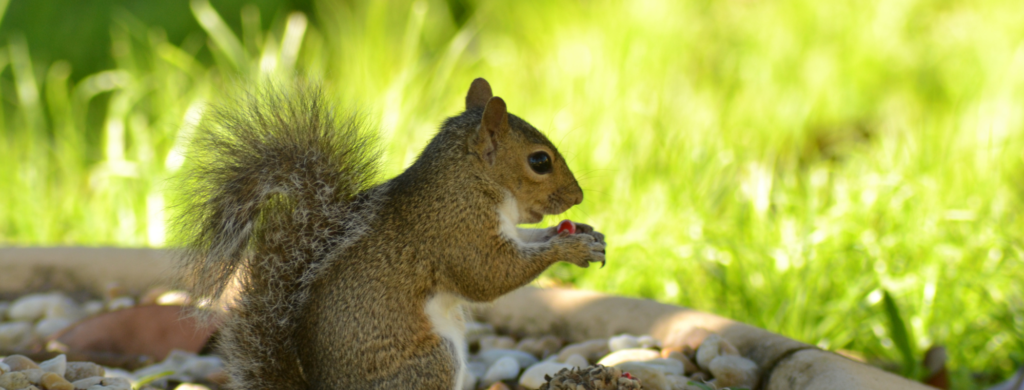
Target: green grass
{"type": "Point", "coordinates": [789, 164]}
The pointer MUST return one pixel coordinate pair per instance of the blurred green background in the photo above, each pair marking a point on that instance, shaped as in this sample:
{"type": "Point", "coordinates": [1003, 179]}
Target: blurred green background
{"type": "Point", "coordinates": [791, 164]}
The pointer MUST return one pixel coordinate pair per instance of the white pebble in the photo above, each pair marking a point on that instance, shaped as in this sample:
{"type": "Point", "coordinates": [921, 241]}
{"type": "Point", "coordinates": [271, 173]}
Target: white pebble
{"type": "Point", "coordinates": [648, 342]}
{"type": "Point", "coordinates": [14, 335]}
{"type": "Point", "coordinates": [491, 356]}
{"type": "Point", "coordinates": [92, 308]}
{"type": "Point", "coordinates": [191, 386]}
{"type": "Point", "coordinates": [4, 368]}
{"type": "Point", "coordinates": [733, 371]}
{"type": "Point", "coordinates": [478, 369]}
{"type": "Point", "coordinates": [173, 297]}
{"type": "Point", "coordinates": [47, 327]}
{"type": "Point", "coordinates": [712, 347]}
{"type": "Point", "coordinates": [120, 303]}
{"type": "Point", "coordinates": [669, 366]}
{"type": "Point", "coordinates": [505, 368]}
{"type": "Point", "coordinates": [63, 308]}
{"type": "Point", "coordinates": [33, 375]}
{"type": "Point", "coordinates": [577, 360]}
{"type": "Point", "coordinates": [533, 377]}
{"type": "Point", "coordinates": [590, 349]}
{"type": "Point", "coordinates": [623, 341]}
{"type": "Point", "coordinates": [629, 355]}
{"type": "Point", "coordinates": [34, 306]}
{"type": "Point", "coordinates": [57, 365]}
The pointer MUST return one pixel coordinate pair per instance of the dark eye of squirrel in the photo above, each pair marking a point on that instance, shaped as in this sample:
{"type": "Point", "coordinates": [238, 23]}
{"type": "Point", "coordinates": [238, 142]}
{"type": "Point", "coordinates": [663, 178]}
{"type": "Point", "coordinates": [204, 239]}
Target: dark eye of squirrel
{"type": "Point", "coordinates": [540, 162]}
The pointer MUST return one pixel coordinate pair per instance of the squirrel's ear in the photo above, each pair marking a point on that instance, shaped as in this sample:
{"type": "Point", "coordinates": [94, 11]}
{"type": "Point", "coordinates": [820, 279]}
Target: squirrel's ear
{"type": "Point", "coordinates": [493, 125]}
{"type": "Point", "coordinates": [479, 94]}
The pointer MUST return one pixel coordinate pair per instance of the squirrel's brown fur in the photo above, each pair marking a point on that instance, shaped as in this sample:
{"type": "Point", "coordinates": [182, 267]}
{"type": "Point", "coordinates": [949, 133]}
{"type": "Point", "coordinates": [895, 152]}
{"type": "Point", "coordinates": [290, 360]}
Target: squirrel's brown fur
{"type": "Point", "coordinates": [346, 285]}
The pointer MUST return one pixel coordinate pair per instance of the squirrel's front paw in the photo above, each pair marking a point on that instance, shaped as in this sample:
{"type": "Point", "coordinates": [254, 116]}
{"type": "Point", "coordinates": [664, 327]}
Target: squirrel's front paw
{"type": "Point", "coordinates": [584, 248]}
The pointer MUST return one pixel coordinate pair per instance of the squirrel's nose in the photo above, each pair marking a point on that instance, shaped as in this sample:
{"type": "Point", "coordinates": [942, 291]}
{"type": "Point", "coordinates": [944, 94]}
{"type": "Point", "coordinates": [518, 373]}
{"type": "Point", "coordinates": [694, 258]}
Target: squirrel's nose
{"type": "Point", "coordinates": [577, 198]}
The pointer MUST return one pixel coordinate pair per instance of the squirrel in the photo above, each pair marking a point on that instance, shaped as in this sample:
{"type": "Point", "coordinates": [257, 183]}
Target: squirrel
{"type": "Point", "coordinates": [348, 284]}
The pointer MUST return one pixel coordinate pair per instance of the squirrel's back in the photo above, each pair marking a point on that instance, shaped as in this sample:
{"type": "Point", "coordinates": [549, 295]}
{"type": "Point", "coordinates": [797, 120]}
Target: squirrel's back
{"type": "Point", "coordinates": [271, 189]}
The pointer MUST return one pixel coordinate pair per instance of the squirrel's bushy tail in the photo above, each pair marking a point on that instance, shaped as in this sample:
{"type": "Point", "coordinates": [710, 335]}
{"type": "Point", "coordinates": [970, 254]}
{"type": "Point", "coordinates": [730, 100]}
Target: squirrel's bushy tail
{"type": "Point", "coordinates": [269, 190]}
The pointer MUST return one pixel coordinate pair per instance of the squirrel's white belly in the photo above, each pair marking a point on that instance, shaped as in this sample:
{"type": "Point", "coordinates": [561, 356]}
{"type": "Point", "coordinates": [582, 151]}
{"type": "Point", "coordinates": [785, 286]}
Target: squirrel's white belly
{"type": "Point", "coordinates": [446, 314]}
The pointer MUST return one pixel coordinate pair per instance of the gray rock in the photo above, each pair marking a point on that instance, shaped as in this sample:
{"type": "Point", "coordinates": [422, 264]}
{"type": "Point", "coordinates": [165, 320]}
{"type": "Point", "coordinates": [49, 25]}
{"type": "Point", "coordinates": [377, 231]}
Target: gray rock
{"type": "Point", "coordinates": [522, 358]}
{"type": "Point", "coordinates": [592, 350]}
{"type": "Point", "coordinates": [49, 326]}
{"type": "Point", "coordinates": [505, 368]}
{"type": "Point", "coordinates": [33, 375]}
{"type": "Point", "coordinates": [57, 365]}
{"type": "Point", "coordinates": [76, 371]}
{"type": "Point", "coordinates": [630, 355]}
{"type": "Point", "coordinates": [15, 335]}
{"type": "Point", "coordinates": [14, 380]}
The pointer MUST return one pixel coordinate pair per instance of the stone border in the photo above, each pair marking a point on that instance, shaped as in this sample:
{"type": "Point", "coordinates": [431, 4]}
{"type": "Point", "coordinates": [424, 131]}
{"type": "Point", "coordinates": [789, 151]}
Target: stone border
{"type": "Point", "coordinates": [575, 315]}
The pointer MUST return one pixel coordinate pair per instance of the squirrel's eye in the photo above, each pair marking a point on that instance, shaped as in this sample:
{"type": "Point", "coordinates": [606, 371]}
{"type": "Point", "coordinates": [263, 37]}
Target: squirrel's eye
{"type": "Point", "coordinates": [540, 162]}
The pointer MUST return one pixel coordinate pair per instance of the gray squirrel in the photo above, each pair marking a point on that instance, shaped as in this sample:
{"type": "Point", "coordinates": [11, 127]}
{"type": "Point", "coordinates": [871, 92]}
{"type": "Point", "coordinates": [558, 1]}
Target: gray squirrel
{"type": "Point", "coordinates": [344, 283]}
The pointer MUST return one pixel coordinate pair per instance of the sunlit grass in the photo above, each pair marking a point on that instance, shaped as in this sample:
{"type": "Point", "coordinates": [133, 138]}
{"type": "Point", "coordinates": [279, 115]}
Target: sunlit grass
{"type": "Point", "coordinates": [781, 163]}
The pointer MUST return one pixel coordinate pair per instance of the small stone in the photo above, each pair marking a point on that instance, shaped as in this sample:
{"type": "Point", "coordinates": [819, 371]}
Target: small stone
{"type": "Point", "coordinates": [503, 369]}
{"type": "Point", "coordinates": [623, 341]}
{"type": "Point", "coordinates": [478, 369]}
{"type": "Point", "coordinates": [86, 383]}
{"type": "Point", "coordinates": [32, 307]}
{"type": "Point", "coordinates": [700, 376]}
{"type": "Point", "coordinates": [647, 341]}
{"type": "Point", "coordinates": [577, 361]}
{"type": "Point", "coordinates": [58, 365]}
{"type": "Point", "coordinates": [92, 308]}
{"type": "Point", "coordinates": [33, 375]}
{"type": "Point", "coordinates": [63, 307]}
{"type": "Point", "coordinates": [50, 326]}
{"type": "Point", "coordinates": [20, 362]}
{"type": "Point", "coordinates": [629, 355]}
{"type": "Point", "coordinates": [52, 381]}
{"type": "Point", "coordinates": [733, 371]}
{"type": "Point", "coordinates": [191, 386]}
{"type": "Point", "coordinates": [496, 342]}
{"type": "Point", "coordinates": [76, 371]}
{"type": "Point", "coordinates": [15, 335]}
{"type": "Point", "coordinates": [489, 357]}
{"type": "Point", "coordinates": [120, 303]}
{"type": "Point", "coordinates": [116, 383]}
{"type": "Point", "coordinates": [689, 366]}
{"type": "Point", "coordinates": [4, 368]}
{"type": "Point", "coordinates": [669, 366]}
{"type": "Point", "coordinates": [173, 297]}
{"type": "Point", "coordinates": [14, 380]}
{"type": "Point", "coordinates": [593, 350]}
{"type": "Point", "coordinates": [541, 347]}
{"type": "Point", "coordinates": [533, 377]}
{"type": "Point", "coordinates": [712, 347]}
{"type": "Point", "coordinates": [652, 378]}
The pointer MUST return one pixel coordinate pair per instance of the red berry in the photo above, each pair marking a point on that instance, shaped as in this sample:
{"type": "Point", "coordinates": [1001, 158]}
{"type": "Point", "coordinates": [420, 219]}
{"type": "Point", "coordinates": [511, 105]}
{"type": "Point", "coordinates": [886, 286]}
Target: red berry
{"type": "Point", "coordinates": [567, 226]}
{"type": "Point", "coordinates": [626, 374]}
